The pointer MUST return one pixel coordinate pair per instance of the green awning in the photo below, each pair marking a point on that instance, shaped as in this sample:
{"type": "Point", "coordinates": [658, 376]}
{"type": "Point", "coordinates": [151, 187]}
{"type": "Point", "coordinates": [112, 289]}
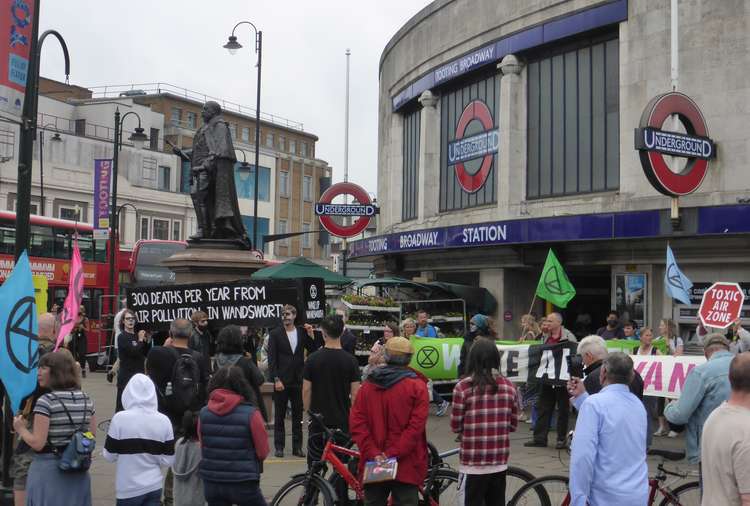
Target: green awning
{"type": "Point", "coordinates": [301, 267]}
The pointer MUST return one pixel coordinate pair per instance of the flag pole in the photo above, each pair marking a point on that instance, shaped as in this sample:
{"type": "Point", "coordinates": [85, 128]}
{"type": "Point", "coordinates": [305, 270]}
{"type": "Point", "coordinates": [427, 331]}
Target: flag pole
{"type": "Point", "coordinates": [533, 301]}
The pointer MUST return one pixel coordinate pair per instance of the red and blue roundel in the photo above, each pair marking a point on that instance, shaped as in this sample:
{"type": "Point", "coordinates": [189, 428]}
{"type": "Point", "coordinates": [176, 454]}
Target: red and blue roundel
{"type": "Point", "coordinates": [474, 147]}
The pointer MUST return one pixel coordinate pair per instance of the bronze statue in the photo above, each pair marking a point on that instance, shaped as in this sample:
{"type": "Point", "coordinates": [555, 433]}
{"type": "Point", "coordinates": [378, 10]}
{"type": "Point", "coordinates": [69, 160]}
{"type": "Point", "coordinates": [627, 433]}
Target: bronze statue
{"type": "Point", "coordinates": [212, 189]}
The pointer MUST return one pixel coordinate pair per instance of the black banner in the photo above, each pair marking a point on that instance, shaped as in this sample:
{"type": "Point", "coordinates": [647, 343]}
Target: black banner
{"type": "Point", "coordinates": [547, 362]}
{"type": "Point", "coordinates": [251, 303]}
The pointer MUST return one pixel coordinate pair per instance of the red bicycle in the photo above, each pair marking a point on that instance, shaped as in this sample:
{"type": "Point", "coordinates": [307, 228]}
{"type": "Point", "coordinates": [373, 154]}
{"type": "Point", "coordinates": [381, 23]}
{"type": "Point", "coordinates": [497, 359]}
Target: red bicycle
{"type": "Point", "coordinates": [553, 490]}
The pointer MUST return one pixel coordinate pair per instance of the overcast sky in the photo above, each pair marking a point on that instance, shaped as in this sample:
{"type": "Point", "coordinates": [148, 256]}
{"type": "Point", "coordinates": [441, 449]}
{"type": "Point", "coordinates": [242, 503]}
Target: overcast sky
{"type": "Point", "coordinates": [304, 66]}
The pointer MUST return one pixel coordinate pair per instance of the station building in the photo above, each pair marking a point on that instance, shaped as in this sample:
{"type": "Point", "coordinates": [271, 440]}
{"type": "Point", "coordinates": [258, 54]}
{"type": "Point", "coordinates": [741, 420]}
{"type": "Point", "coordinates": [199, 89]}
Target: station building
{"type": "Point", "coordinates": [509, 127]}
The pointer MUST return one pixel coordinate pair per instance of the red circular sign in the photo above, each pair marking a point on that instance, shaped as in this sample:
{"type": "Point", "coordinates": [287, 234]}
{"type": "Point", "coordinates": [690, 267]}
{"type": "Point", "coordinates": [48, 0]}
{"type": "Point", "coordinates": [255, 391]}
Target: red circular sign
{"type": "Point", "coordinates": [654, 166]}
{"type": "Point", "coordinates": [721, 305]}
{"type": "Point", "coordinates": [476, 110]}
{"type": "Point", "coordinates": [360, 195]}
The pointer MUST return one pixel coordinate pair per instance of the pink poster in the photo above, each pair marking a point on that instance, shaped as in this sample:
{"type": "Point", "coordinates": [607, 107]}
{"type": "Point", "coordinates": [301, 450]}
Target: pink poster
{"type": "Point", "coordinates": [74, 298]}
{"type": "Point", "coordinates": [16, 23]}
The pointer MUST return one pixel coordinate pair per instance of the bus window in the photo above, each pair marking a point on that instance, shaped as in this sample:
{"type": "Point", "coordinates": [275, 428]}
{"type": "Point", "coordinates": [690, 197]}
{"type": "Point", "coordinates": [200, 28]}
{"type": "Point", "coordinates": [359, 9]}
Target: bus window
{"type": "Point", "coordinates": [91, 302]}
{"type": "Point", "coordinates": [100, 250]}
{"type": "Point", "coordinates": [87, 248]}
{"type": "Point", "coordinates": [62, 244]}
{"type": "Point", "coordinates": [41, 242]}
{"type": "Point", "coordinates": [7, 241]}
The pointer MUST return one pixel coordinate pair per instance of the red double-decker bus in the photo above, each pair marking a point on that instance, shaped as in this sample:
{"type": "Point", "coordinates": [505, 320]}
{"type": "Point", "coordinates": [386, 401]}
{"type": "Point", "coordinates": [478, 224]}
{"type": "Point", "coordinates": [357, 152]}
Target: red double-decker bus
{"type": "Point", "coordinates": [50, 251]}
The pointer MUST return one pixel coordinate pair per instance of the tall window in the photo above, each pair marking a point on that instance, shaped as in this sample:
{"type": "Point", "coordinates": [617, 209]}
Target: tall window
{"type": "Point", "coordinates": [244, 181]}
{"type": "Point", "coordinates": [175, 115]}
{"type": "Point", "coordinates": [69, 213]}
{"type": "Point", "coordinates": [176, 230]}
{"type": "Point", "coordinates": [165, 180]}
{"type": "Point", "coordinates": [306, 237]}
{"type": "Point", "coordinates": [283, 183]}
{"type": "Point", "coordinates": [246, 134]}
{"type": "Point", "coordinates": [303, 149]}
{"type": "Point", "coordinates": [410, 178]}
{"type": "Point", "coordinates": [573, 121]}
{"type": "Point", "coordinates": [469, 141]}
{"type": "Point", "coordinates": [160, 229]}
{"type": "Point", "coordinates": [262, 230]}
{"type": "Point", "coordinates": [282, 230]}
{"type": "Point", "coordinates": [191, 119]}
{"type": "Point", "coordinates": [233, 130]}
{"type": "Point", "coordinates": [269, 140]}
{"type": "Point", "coordinates": [307, 188]}
{"type": "Point", "coordinates": [282, 143]}
{"type": "Point", "coordinates": [292, 146]}
{"type": "Point", "coordinates": [144, 227]}
{"type": "Point", "coordinates": [185, 177]}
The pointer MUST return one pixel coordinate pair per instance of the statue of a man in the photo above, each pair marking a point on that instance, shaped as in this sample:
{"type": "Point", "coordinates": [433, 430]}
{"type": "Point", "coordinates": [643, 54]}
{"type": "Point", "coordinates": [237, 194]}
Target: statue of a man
{"type": "Point", "coordinates": [212, 188]}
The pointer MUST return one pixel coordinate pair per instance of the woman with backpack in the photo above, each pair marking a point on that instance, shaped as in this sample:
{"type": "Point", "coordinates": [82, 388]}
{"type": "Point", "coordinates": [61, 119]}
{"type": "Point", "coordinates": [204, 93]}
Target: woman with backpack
{"type": "Point", "coordinates": [234, 441]}
{"type": "Point", "coordinates": [485, 412]}
{"type": "Point", "coordinates": [63, 416]}
{"type": "Point", "coordinates": [230, 351]}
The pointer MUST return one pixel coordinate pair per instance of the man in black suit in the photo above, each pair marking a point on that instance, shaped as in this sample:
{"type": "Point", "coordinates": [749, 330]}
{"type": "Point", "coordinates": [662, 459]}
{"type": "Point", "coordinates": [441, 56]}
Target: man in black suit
{"type": "Point", "coordinates": [286, 359]}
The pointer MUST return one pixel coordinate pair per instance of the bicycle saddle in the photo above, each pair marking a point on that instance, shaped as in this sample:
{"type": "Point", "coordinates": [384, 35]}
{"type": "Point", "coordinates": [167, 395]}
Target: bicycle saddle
{"type": "Point", "coordinates": [667, 454]}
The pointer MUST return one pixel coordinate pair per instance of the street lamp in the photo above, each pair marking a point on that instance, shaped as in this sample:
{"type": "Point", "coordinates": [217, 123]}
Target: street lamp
{"type": "Point", "coordinates": [138, 138]}
{"type": "Point", "coordinates": [232, 46]}
{"type": "Point", "coordinates": [55, 138]}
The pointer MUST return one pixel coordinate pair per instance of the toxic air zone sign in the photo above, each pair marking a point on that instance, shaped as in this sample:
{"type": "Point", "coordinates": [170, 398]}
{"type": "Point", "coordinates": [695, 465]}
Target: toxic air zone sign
{"type": "Point", "coordinates": [721, 305]}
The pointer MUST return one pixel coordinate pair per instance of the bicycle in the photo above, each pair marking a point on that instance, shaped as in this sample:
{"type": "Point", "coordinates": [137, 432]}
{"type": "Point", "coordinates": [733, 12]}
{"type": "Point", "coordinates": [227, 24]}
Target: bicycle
{"type": "Point", "coordinates": [553, 490]}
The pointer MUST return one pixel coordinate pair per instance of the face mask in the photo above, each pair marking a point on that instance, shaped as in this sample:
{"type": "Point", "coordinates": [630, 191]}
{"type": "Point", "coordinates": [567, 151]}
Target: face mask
{"type": "Point", "coordinates": [612, 322]}
{"type": "Point", "coordinates": [472, 327]}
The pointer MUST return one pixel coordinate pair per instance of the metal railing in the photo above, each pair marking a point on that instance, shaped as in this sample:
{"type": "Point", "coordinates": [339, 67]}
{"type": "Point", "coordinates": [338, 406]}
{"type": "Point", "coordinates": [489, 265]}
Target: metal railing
{"type": "Point", "coordinates": [142, 89]}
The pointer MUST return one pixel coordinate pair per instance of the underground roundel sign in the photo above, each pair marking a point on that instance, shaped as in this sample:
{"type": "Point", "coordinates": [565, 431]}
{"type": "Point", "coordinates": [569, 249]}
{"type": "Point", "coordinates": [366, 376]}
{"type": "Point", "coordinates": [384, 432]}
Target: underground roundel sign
{"type": "Point", "coordinates": [475, 144]}
{"type": "Point", "coordinates": [721, 305]}
{"type": "Point", "coordinates": [325, 209]}
{"type": "Point", "coordinates": [653, 144]}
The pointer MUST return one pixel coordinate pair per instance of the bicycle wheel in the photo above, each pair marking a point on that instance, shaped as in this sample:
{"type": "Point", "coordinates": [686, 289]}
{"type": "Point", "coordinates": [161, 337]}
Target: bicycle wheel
{"type": "Point", "coordinates": [444, 488]}
{"type": "Point", "coordinates": [515, 478]}
{"type": "Point", "coordinates": [688, 494]}
{"type": "Point", "coordinates": [294, 493]}
{"type": "Point", "coordinates": [544, 491]}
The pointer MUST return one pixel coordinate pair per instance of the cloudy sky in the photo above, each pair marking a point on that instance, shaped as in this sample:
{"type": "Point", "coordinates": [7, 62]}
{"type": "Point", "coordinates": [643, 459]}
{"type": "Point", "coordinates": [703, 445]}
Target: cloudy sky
{"type": "Point", "coordinates": [304, 66]}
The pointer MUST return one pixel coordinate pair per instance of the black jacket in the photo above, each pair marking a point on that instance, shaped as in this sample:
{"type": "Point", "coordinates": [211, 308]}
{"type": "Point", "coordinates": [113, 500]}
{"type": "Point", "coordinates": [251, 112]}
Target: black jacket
{"type": "Point", "coordinates": [132, 354]}
{"type": "Point", "coordinates": [593, 385]}
{"type": "Point", "coordinates": [282, 362]}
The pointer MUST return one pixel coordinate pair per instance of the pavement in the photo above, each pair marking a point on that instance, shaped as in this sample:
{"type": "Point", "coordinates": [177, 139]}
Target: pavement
{"type": "Point", "coordinates": [538, 461]}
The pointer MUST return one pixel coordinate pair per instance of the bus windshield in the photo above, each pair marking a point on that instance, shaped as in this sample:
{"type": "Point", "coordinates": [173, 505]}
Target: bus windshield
{"type": "Point", "coordinates": [146, 262]}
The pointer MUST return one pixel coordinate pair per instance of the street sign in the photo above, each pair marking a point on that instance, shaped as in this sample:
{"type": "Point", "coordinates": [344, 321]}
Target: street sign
{"type": "Point", "coordinates": [721, 305]}
{"type": "Point", "coordinates": [364, 210]}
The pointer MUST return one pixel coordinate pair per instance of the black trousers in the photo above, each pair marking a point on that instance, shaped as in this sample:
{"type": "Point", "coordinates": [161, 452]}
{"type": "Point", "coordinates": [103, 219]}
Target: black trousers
{"type": "Point", "coordinates": [118, 400]}
{"type": "Point", "coordinates": [293, 395]}
{"type": "Point", "coordinates": [403, 494]}
{"type": "Point", "coordinates": [549, 398]}
{"type": "Point", "coordinates": [484, 489]}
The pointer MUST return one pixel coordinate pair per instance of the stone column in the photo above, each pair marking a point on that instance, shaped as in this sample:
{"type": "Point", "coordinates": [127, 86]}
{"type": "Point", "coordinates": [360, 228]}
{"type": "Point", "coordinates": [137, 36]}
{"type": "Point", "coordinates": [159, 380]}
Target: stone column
{"type": "Point", "coordinates": [511, 166]}
{"type": "Point", "coordinates": [391, 167]}
{"type": "Point", "coordinates": [428, 179]}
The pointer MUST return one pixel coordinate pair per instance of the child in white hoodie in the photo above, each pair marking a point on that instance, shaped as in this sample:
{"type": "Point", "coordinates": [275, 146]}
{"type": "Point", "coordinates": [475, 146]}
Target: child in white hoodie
{"type": "Point", "coordinates": [141, 441]}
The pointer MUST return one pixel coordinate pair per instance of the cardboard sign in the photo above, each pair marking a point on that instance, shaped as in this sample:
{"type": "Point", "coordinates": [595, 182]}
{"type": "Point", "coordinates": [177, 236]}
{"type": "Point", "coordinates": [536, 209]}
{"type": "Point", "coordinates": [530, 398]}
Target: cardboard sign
{"type": "Point", "coordinates": [251, 303]}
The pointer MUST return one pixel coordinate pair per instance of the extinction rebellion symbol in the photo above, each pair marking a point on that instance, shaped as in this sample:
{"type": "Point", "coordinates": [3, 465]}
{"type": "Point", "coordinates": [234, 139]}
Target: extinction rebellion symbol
{"type": "Point", "coordinates": [653, 143]}
{"type": "Point", "coordinates": [475, 145]}
{"type": "Point", "coordinates": [364, 210]}
{"type": "Point", "coordinates": [427, 357]}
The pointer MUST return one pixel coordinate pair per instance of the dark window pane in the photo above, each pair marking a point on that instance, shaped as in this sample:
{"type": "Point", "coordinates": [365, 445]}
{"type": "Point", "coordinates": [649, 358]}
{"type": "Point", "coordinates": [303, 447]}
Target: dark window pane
{"type": "Point", "coordinates": [584, 120]}
{"type": "Point", "coordinates": [545, 128]}
{"type": "Point", "coordinates": [612, 79]}
{"type": "Point", "coordinates": [598, 133]}
{"type": "Point", "coordinates": [532, 176]}
{"type": "Point", "coordinates": [558, 126]}
{"type": "Point", "coordinates": [571, 123]}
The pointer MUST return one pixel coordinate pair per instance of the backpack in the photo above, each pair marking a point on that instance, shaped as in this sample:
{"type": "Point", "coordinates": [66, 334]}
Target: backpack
{"type": "Point", "coordinates": [76, 457]}
{"type": "Point", "coordinates": [182, 390]}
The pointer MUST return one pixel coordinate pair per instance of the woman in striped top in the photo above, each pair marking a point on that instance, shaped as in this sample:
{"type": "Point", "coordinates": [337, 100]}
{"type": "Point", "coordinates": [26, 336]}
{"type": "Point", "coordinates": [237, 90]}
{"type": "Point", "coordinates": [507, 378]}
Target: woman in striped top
{"type": "Point", "coordinates": [53, 430]}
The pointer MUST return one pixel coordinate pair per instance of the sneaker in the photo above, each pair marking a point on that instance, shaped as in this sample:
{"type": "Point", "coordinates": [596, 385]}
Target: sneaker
{"type": "Point", "coordinates": [522, 417]}
{"type": "Point", "coordinates": [535, 444]}
{"type": "Point", "coordinates": [672, 434]}
{"type": "Point", "coordinates": [560, 445]}
{"type": "Point", "coordinates": [661, 432]}
{"type": "Point", "coordinates": [279, 454]}
{"type": "Point", "coordinates": [442, 409]}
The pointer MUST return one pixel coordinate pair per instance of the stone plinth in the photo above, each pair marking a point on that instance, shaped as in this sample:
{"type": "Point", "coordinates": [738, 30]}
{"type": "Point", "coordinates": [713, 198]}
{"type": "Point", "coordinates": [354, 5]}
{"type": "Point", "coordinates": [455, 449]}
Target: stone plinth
{"type": "Point", "coordinates": [206, 264]}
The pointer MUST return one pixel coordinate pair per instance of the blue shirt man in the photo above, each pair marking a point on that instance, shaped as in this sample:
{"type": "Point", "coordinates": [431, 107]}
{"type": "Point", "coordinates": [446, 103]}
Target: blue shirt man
{"type": "Point", "coordinates": [424, 329]}
{"type": "Point", "coordinates": [608, 454]}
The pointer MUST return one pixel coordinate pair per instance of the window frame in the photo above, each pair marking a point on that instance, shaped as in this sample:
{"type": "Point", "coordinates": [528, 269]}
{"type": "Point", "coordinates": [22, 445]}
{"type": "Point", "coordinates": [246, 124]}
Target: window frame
{"type": "Point", "coordinates": [164, 170]}
{"type": "Point", "coordinates": [306, 237]}
{"type": "Point", "coordinates": [307, 189]}
{"type": "Point", "coordinates": [147, 220]}
{"type": "Point", "coordinates": [284, 183]}
{"type": "Point", "coordinates": [191, 120]}
{"type": "Point", "coordinates": [156, 219]}
{"type": "Point", "coordinates": [176, 227]}
{"type": "Point", "coordinates": [283, 228]}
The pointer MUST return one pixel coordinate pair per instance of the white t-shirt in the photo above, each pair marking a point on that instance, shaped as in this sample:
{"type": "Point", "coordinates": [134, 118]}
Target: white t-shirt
{"type": "Point", "coordinates": [292, 335]}
{"type": "Point", "coordinates": [725, 455]}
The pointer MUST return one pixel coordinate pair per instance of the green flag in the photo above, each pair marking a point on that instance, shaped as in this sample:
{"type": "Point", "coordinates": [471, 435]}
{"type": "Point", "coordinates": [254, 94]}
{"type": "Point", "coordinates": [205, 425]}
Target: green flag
{"type": "Point", "coordinates": [554, 285]}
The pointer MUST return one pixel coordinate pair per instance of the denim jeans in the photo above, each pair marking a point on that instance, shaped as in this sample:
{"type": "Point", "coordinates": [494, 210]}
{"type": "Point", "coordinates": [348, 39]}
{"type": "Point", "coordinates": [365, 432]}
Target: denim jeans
{"type": "Point", "coordinates": [150, 499]}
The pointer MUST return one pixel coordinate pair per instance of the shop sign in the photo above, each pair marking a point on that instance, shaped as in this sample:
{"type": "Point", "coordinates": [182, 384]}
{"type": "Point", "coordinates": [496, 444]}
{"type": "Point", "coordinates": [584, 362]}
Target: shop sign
{"type": "Point", "coordinates": [698, 289]}
{"type": "Point", "coordinates": [364, 210]}
{"type": "Point", "coordinates": [476, 138]}
{"type": "Point", "coordinates": [653, 143]}
{"type": "Point", "coordinates": [16, 25]}
{"type": "Point", "coordinates": [721, 305]}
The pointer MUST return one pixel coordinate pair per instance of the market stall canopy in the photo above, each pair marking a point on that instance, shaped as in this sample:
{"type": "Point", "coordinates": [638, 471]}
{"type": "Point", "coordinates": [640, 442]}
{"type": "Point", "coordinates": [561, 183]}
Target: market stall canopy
{"type": "Point", "coordinates": [478, 299]}
{"type": "Point", "coordinates": [301, 267]}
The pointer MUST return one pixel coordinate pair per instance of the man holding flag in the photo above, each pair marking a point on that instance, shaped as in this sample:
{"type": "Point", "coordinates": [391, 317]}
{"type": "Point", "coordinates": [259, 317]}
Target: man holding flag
{"type": "Point", "coordinates": [555, 287]}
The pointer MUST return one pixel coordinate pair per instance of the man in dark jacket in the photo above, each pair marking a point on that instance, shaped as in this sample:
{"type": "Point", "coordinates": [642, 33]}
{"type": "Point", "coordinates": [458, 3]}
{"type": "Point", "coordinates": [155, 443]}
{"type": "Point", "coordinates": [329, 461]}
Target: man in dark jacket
{"type": "Point", "coordinates": [286, 359]}
{"type": "Point", "coordinates": [132, 350]}
{"type": "Point", "coordinates": [388, 420]}
{"type": "Point", "coordinates": [200, 339]}
{"type": "Point", "coordinates": [593, 351]}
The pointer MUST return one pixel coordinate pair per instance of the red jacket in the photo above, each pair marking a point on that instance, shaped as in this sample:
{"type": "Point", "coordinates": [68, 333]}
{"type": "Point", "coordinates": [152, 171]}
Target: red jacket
{"type": "Point", "coordinates": [389, 416]}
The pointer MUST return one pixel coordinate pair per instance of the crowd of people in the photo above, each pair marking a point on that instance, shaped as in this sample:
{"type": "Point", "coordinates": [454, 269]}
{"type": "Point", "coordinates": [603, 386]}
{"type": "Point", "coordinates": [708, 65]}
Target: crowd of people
{"type": "Point", "coordinates": [193, 406]}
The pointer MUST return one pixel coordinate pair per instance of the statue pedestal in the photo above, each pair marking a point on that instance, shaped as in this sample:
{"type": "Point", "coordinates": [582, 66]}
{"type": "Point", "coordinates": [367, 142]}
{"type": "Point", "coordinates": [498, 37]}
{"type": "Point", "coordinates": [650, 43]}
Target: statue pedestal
{"type": "Point", "coordinates": [207, 262]}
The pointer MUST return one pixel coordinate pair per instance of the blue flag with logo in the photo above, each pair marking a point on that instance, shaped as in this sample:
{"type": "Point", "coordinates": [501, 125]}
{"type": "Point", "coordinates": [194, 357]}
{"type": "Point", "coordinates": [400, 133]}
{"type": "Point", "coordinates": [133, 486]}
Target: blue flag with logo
{"type": "Point", "coordinates": [675, 282]}
{"type": "Point", "coordinates": [19, 353]}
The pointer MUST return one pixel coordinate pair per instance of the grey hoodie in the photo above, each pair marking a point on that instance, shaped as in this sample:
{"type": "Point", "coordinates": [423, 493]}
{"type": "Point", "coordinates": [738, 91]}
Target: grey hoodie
{"type": "Point", "coordinates": [188, 487]}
